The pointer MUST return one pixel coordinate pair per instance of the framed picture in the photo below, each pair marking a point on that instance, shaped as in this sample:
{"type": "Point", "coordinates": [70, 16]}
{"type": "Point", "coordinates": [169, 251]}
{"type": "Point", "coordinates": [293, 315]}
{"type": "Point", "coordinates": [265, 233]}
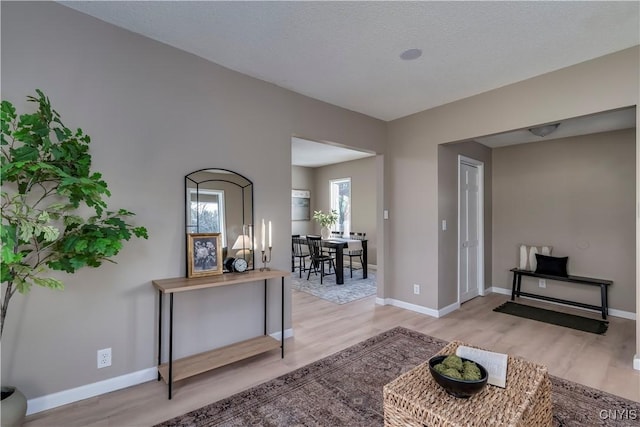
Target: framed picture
{"type": "Point", "coordinates": [300, 205]}
{"type": "Point", "coordinates": [204, 254]}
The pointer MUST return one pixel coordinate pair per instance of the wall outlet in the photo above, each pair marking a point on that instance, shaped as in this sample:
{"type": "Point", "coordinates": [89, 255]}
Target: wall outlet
{"type": "Point", "coordinates": [416, 289]}
{"type": "Point", "coordinates": [542, 283]}
{"type": "Point", "coordinates": [104, 358]}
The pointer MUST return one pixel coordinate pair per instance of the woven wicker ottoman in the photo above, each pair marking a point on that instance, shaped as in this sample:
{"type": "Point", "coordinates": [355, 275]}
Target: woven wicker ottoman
{"type": "Point", "coordinates": [415, 399]}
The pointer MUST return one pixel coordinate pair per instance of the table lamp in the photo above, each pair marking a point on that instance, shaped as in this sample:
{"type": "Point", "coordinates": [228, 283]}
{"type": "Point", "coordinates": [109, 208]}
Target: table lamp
{"type": "Point", "coordinates": [243, 243]}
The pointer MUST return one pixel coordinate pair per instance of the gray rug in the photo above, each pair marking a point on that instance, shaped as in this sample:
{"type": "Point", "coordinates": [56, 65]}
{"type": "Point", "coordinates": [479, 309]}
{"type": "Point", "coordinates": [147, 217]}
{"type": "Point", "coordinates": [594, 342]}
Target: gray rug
{"type": "Point", "coordinates": [345, 389]}
{"type": "Point", "coordinates": [581, 323]}
{"type": "Point", "coordinates": [351, 290]}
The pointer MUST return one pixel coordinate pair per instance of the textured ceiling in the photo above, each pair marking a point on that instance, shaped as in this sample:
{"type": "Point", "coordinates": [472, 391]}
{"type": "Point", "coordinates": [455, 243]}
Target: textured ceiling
{"type": "Point", "coordinates": [606, 121]}
{"type": "Point", "coordinates": [347, 53]}
{"type": "Point", "coordinates": [315, 154]}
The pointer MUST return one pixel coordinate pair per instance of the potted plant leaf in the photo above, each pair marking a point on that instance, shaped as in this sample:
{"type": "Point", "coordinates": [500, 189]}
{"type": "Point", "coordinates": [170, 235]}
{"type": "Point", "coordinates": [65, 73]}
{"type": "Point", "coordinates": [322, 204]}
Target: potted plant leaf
{"type": "Point", "coordinates": [326, 221]}
{"type": "Point", "coordinates": [46, 182]}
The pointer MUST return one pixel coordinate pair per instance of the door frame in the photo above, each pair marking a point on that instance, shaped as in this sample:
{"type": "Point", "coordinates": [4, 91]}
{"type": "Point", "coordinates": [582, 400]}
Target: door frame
{"type": "Point", "coordinates": [480, 165]}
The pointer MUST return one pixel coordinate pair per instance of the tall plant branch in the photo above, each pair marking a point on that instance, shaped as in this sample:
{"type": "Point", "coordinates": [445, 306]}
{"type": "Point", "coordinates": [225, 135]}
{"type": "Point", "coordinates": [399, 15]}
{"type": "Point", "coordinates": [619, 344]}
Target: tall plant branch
{"type": "Point", "coordinates": [8, 293]}
{"type": "Point", "coordinates": [42, 159]}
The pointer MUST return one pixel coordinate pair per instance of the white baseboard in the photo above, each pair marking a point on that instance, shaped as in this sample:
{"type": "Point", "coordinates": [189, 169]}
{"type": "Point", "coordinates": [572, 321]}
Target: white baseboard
{"type": "Point", "coordinates": [65, 397]}
{"type": "Point", "coordinates": [448, 309]}
{"type": "Point", "coordinates": [288, 333]}
{"type": "Point", "coordinates": [621, 313]}
{"type": "Point", "coordinates": [407, 306]}
{"type": "Point", "coordinates": [636, 362]}
{"type": "Point", "coordinates": [418, 308]}
{"type": "Point", "coordinates": [612, 311]}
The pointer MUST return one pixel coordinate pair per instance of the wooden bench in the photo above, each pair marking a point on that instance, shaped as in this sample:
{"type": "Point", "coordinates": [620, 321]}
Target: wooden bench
{"type": "Point", "coordinates": [604, 286]}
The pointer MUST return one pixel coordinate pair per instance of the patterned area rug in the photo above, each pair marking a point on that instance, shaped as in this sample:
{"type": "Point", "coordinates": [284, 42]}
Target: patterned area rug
{"type": "Point", "coordinates": [353, 289]}
{"type": "Point", "coordinates": [345, 389]}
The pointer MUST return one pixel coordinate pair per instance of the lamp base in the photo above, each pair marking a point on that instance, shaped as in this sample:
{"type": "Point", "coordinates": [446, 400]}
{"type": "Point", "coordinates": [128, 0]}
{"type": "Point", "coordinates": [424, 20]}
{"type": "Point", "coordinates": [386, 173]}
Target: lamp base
{"type": "Point", "coordinates": [244, 253]}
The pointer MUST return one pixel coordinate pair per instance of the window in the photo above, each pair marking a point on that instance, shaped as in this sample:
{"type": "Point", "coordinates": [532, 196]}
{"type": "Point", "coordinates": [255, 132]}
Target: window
{"type": "Point", "coordinates": [341, 203]}
{"type": "Point", "coordinates": [204, 212]}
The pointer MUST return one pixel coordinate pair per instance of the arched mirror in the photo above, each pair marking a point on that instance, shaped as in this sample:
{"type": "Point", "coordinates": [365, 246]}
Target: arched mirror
{"type": "Point", "coordinates": [221, 201]}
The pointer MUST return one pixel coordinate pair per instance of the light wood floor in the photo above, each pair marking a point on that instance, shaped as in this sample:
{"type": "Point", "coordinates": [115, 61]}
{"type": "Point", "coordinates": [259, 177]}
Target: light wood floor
{"type": "Point", "coordinates": [322, 328]}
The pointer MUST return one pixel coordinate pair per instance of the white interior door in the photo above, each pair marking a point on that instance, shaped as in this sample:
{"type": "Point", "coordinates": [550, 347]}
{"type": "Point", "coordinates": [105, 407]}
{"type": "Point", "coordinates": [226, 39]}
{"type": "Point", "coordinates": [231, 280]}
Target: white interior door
{"type": "Point", "coordinates": [470, 250]}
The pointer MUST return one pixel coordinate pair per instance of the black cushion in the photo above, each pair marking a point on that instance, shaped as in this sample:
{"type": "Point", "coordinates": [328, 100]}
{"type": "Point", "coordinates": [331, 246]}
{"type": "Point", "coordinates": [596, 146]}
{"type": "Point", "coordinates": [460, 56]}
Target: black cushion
{"type": "Point", "coordinates": [553, 266]}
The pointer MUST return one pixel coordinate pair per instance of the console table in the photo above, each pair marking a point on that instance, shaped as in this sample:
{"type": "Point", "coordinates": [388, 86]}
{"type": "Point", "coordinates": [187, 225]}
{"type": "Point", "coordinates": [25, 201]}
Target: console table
{"type": "Point", "coordinates": [176, 370]}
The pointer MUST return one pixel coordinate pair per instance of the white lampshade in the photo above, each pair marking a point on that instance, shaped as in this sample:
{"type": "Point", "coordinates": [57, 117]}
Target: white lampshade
{"type": "Point", "coordinates": [243, 243]}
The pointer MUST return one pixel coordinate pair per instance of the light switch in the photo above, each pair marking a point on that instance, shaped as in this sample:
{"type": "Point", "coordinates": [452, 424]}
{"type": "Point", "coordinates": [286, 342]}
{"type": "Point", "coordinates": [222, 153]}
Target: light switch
{"type": "Point", "coordinates": [385, 214]}
{"type": "Point", "coordinates": [444, 225]}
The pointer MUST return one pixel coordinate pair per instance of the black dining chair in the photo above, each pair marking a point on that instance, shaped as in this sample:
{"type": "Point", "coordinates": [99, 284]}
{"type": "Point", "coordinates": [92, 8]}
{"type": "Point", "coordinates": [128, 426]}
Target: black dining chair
{"type": "Point", "coordinates": [293, 260]}
{"type": "Point", "coordinates": [318, 258]}
{"type": "Point", "coordinates": [299, 252]}
{"type": "Point", "coordinates": [355, 253]}
{"type": "Point", "coordinates": [331, 251]}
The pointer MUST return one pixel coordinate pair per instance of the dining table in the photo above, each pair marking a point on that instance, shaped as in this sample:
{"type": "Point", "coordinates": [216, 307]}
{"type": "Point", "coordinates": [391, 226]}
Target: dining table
{"type": "Point", "coordinates": [339, 244]}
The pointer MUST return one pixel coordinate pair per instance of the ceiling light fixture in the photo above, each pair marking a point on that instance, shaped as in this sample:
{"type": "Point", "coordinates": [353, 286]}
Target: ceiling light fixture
{"type": "Point", "coordinates": [544, 130]}
{"type": "Point", "coordinates": [410, 54]}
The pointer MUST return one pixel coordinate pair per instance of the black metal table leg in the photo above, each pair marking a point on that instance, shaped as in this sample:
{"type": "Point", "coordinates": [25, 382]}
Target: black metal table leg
{"type": "Point", "coordinates": [170, 379]}
{"type": "Point", "coordinates": [364, 260]}
{"type": "Point", "coordinates": [513, 286]}
{"type": "Point", "coordinates": [604, 302]}
{"type": "Point", "coordinates": [339, 265]}
{"type": "Point", "coordinates": [159, 332]}
{"type": "Point", "coordinates": [265, 306]}
{"type": "Point", "coordinates": [519, 285]}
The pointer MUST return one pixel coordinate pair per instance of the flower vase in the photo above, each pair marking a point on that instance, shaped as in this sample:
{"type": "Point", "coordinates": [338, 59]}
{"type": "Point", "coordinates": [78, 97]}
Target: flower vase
{"type": "Point", "coordinates": [325, 232]}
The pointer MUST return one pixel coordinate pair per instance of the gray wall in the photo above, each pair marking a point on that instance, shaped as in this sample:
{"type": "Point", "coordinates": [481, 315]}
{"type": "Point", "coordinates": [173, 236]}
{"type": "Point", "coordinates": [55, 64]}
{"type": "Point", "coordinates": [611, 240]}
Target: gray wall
{"type": "Point", "coordinates": [577, 195]}
{"type": "Point", "coordinates": [302, 178]}
{"type": "Point", "coordinates": [448, 210]}
{"type": "Point", "coordinates": [154, 114]}
{"type": "Point", "coordinates": [411, 167]}
{"type": "Point", "coordinates": [363, 192]}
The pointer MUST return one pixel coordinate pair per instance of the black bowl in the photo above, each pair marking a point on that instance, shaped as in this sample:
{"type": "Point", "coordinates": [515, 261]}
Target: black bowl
{"type": "Point", "coordinates": [455, 387]}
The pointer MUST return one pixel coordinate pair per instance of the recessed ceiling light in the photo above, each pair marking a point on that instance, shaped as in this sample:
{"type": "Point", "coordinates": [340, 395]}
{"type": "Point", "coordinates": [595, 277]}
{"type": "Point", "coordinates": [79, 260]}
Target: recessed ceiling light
{"type": "Point", "coordinates": [410, 54]}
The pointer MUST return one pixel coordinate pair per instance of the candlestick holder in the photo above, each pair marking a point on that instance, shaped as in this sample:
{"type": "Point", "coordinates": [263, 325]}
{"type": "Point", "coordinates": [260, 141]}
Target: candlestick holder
{"type": "Point", "coordinates": [265, 260]}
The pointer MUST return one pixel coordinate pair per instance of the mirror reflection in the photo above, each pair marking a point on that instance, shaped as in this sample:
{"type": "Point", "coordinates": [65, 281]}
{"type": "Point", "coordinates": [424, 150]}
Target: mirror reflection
{"type": "Point", "coordinates": [221, 201]}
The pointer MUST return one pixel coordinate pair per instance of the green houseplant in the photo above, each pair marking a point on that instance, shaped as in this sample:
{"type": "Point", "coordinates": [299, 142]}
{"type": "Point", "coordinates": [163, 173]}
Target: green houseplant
{"type": "Point", "coordinates": [326, 221]}
{"type": "Point", "coordinates": [47, 185]}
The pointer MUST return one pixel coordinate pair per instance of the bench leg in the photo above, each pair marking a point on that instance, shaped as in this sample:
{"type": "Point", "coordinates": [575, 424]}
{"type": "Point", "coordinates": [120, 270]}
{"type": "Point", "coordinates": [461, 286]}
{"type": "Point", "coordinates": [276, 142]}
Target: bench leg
{"type": "Point", "coordinates": [604, 301]}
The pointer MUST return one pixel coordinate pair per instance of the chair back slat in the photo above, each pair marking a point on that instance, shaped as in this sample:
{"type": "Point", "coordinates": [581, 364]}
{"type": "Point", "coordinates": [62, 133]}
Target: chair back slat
{"type": "Point", "coordinates": [297, 244]}
{"type": "Point", "coordinates": [355, 253]}
{"type": "Point", "coordinates": [315, 246]}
